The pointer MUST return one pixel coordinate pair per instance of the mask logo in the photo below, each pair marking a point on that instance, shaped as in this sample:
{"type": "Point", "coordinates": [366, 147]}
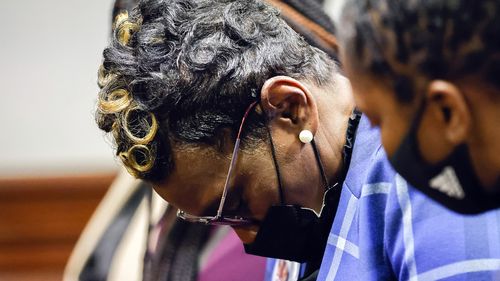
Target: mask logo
{"type": "Point", "coordinates": [447, 182]}
{"type": "Point", "coordinates": [456, 185]}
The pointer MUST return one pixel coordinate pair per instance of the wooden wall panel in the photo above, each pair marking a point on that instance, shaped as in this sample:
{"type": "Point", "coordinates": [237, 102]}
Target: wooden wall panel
{"type": "Point", "coordinates": [40, 221]}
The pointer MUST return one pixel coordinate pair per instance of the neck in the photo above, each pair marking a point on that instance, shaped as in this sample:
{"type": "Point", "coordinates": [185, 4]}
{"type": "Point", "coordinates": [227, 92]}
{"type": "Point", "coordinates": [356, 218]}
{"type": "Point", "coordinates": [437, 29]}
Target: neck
{"type": "Point", "coordinates": [331, 145]}
{"type": "Point", "coordinates": [335, 105]}
{"type": "Point", "coordinates": [331, 136]}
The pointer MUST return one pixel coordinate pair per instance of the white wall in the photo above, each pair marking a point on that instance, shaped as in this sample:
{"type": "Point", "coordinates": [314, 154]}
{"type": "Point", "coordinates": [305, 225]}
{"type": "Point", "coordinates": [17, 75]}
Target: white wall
{"type": "Point", "coordinates": [49, 54]}
{"type": "Point", "coordinates": [333, 8]}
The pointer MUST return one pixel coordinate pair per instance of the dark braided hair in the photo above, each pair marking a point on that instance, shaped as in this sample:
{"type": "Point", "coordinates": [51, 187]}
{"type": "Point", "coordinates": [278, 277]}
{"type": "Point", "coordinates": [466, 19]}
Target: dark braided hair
{"type": "Point", "coordinates": [186, 70]}
{"type": "Point", "coordinates": [410, 42]}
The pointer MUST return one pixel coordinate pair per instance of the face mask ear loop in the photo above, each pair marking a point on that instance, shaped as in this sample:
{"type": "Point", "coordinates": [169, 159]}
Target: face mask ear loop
{"type": "Point", "coordinates": [320, 164]}
{"type": "Point", "coordinates": [278, 174]}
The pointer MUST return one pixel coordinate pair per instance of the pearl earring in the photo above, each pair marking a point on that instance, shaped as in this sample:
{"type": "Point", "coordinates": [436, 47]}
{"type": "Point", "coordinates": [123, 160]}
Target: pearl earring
{"type": "Point", "coordinates": [305, 136]}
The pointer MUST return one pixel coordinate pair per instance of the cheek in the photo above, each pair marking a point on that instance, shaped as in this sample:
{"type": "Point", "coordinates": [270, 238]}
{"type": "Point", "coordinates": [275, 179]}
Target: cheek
{"type": "Point", "coordinates": [357, 93]}
{"type": "Point", "coordinates": [389, 141]}
{"type": "Point", "coordinates": [260, 196]}
{"type": "Point", "coordinates": [392, 129]}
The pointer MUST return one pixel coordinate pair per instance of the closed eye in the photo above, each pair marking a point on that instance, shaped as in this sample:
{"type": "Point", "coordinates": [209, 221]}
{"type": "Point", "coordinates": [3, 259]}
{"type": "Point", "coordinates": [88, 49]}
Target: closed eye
{"type": "Point", "coordinates": [234, 207]}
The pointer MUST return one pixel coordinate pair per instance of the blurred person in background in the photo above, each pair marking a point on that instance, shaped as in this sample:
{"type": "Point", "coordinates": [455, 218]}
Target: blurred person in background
{"type": "Point", "coordinates": [427, 73]}
{"type": "Point", "coordinates": [236, 120]}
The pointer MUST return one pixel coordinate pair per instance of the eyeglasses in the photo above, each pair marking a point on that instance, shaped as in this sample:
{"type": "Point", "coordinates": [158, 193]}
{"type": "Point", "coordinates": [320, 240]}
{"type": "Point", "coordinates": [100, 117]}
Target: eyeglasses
{"type": "Point", "coordinates": [219, 219]}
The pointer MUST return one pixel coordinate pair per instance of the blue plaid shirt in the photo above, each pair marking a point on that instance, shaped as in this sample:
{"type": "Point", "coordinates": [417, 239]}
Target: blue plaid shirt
{"type": "Point", "coordinates": [386, 230]}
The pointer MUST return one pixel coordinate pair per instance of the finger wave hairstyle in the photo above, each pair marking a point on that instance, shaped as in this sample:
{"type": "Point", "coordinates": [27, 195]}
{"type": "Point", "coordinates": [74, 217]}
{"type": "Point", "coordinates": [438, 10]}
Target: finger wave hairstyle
{"type": "Point", "coordinates": [184, 71]}
{"type": "Point", "coordinates": [417, 40]}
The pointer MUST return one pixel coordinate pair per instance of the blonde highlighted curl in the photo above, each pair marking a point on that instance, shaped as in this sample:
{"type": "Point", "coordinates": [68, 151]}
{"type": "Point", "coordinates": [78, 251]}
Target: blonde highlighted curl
{"type": "Point", "coordinates": [124, 28]}
{"type": "Point", "coordinates": [133, 129]}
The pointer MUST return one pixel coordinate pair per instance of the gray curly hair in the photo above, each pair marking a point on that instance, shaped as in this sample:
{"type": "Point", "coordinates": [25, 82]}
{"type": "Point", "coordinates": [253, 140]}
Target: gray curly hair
{"type": "Point", "coordinates": [182, 70]}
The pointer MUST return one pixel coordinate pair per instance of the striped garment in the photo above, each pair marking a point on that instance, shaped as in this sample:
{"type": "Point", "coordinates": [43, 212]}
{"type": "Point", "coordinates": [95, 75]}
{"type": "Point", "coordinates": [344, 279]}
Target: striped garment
{"type": "Point", "coordinates": [386, 230]}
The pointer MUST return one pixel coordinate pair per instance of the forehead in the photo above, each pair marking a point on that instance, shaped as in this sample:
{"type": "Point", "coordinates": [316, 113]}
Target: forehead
{"type": "Point", "coordinates": [197, 180]}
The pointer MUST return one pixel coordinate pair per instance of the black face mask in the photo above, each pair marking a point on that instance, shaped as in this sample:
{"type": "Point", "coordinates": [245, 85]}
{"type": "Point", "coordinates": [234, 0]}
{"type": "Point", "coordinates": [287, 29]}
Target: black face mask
{"type": "Point", "coordinates": [452, 182]}
{"type": "Point", "coordinates": [296, 233]}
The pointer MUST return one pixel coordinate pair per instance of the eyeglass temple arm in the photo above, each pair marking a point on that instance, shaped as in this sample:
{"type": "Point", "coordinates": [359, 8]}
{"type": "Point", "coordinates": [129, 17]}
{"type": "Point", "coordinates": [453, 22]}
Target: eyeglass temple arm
{"type": "Point", "coordinates": [226, 184]}
{"type": "Point", "coordinates": [233, 160]}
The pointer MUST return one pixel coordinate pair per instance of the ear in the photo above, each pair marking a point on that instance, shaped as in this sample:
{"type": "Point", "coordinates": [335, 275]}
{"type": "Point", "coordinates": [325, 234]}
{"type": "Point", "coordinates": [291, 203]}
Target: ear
{"type": "Point", "coordinates": [449, 108]}
{"type": "Point", "coordinates": [289, 104]}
